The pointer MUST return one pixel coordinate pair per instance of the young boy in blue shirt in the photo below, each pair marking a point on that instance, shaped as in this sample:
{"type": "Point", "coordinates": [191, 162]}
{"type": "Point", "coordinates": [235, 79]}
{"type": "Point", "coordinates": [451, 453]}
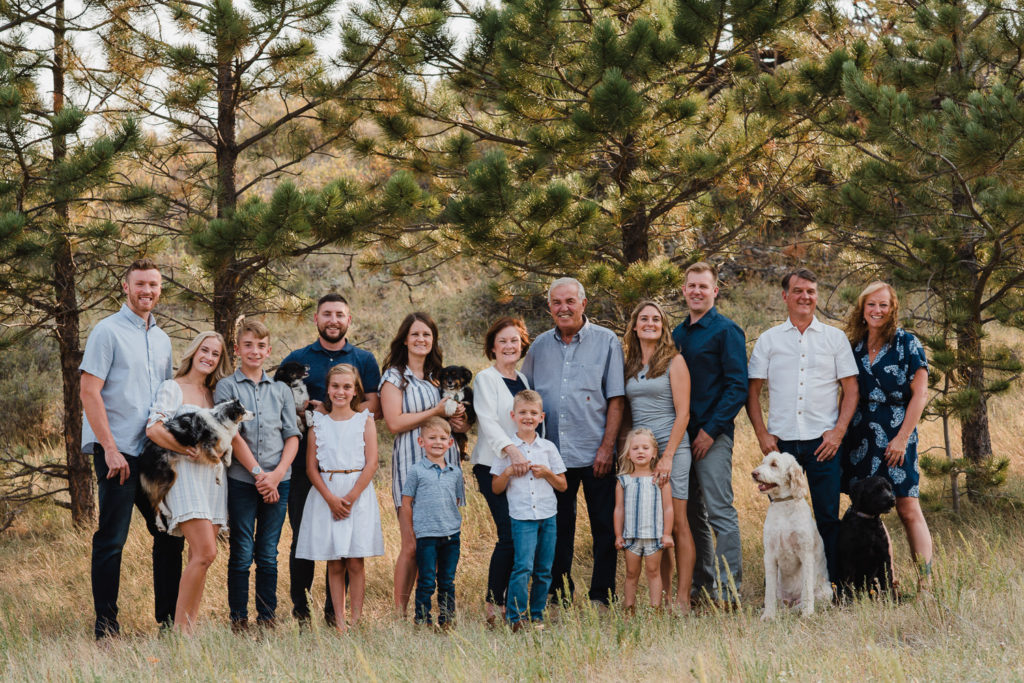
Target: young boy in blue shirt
{"type": "Point", "coordinates": [532, 506]}
{"type": "Point", "coordinates": [431, 497]}
{"type": "Point", "coordinates": [257, 492]}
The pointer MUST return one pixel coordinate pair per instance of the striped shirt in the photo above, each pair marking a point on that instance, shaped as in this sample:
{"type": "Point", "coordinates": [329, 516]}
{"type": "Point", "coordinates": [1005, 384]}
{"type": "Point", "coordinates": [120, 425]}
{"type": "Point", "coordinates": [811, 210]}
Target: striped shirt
{"type": "Point", "coordinates": [417, 396]}
{"type": "Point", "coordinates": [644, 518]}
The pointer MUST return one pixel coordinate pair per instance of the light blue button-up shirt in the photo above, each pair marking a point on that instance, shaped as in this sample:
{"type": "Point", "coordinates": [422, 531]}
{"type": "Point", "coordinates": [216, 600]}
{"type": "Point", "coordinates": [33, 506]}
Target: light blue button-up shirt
{"type": "Point", "coordinates": [132, 360]}
{"type": "Point", "coordinates": [576, 380]}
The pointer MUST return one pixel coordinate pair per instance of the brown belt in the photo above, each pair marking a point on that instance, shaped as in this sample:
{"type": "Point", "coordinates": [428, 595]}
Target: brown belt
{"type": "Point", "coordinates": [333, 472]}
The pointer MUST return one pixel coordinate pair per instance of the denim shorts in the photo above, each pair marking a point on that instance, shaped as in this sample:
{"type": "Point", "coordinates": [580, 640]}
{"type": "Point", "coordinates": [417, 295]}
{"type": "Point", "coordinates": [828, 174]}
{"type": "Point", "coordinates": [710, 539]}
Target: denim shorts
{"type": "Point", "coordinates": [643, 546]}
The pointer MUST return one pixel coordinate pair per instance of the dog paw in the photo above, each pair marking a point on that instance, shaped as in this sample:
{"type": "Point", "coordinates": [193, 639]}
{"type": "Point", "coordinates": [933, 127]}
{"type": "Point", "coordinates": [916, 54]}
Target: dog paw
{"type": "Point", "coordinates": [450, 407]}
{"type": "Point", "coordinates": [767, 614]}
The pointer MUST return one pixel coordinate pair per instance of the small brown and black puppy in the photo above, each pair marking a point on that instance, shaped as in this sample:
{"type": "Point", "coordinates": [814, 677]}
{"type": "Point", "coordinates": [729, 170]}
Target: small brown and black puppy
{"type": "Point", "coordinates": [454, 381]}
{"type": "Point", "coordinates": [865, 552]}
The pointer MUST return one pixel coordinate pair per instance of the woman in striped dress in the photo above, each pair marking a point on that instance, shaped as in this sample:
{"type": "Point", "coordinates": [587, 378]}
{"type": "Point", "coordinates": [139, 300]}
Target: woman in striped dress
{"type": "Point", "coordinates": [408, 396]}
{"type": "Point", "coordinates": [198, 500]}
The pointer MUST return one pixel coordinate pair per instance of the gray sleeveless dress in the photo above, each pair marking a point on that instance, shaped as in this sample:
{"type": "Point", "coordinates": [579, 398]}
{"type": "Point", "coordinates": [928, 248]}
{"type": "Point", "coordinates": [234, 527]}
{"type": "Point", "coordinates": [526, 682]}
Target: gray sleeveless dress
{"type": "Point", "coordinates": [650, 401]}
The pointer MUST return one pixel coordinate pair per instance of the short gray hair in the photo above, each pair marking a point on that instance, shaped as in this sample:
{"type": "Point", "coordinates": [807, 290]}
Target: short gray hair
{"type": "Point", "coordinates": [567, 281]}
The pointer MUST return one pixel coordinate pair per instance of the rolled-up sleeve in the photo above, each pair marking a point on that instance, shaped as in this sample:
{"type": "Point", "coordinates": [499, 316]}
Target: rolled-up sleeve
{"type": "Point", "coordinates": [166, 403]}
{"type": "Point", "coordinates": [289, 418]}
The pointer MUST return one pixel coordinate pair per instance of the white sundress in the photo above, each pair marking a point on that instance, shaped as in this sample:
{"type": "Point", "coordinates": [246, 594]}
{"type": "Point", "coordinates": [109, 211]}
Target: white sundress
{"type": "Point", "coordinates": [339, 446]}
{"type": "Point", "coordinates": [200, 490]}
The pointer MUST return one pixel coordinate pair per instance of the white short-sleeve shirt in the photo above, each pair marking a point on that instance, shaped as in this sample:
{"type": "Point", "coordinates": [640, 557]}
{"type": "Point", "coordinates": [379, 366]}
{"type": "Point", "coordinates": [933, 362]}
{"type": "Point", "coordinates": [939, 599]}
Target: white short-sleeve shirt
{"type": "Point", "coordinates": [530, 498]}
{"type": "Point", "coordinates": [803, 373]}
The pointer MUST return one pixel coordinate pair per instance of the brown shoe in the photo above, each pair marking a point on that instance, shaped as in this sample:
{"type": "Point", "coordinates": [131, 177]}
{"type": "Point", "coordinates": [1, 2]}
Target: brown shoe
{"type": "Point", "coordinates": [239, 625]}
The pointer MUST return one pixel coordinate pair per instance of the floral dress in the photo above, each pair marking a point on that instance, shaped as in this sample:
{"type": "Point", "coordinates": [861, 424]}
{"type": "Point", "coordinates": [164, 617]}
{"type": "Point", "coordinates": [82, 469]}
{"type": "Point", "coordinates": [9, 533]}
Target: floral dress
{"type": "Point", "coordinates": [884, 395]}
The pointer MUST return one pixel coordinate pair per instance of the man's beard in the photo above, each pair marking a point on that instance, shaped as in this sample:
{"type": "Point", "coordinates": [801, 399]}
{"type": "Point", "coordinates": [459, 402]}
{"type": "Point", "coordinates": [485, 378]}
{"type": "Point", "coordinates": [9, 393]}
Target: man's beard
{"type": "Point", "coordinates": [332, 336]}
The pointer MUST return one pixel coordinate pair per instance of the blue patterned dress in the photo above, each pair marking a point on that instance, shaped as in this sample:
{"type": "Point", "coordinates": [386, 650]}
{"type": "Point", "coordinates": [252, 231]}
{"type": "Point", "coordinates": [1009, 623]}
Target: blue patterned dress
{"type": "Point", "coordinates": [884, 395]}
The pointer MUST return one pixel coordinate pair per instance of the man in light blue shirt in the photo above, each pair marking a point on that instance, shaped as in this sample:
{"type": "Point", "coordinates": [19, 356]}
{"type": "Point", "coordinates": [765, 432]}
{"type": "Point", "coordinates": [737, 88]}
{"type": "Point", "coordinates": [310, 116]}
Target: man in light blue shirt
{"type": "Point", "coordinates": [577, 368]}
{"type": "Point", "coordinates": [126, 358]}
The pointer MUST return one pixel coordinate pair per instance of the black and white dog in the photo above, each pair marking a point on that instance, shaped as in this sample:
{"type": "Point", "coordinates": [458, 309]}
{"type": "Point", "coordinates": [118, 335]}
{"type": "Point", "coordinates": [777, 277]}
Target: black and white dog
{"type": "Point", "coordinates": [455, 381]}
{"type": "Point", "coordinates": [293, 373]}
{"type": "Point", "coordinates": [210, 430]}
{"type": "Point", "coordinates": [865, 549]}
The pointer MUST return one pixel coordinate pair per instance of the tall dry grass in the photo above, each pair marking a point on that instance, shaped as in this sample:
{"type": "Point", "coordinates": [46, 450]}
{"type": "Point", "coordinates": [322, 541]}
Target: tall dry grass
{"type": "Point", "coordinates": [969, 627]}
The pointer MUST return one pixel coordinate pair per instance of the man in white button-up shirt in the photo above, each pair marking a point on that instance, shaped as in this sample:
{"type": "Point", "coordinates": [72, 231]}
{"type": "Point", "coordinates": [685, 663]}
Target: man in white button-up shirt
{"type": "Point", "coordinates": [806, 363]}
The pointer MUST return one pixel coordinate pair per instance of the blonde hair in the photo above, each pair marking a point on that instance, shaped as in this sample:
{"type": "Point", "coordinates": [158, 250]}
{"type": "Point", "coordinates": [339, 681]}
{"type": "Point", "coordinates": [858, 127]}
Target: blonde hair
{"type": "Point", "coordinates": [253, 327]}
{"type": "Point", "coordinates": [626, 465]}
{"type": "Point", "coordinates": [223, 368]}
{"type": "Point", "coordinates": [663, 353]}
{"type": "Point", "coordinates": [527, 396]}
{"type": "Point", "coordinates": [436, 422]}
{"type": "Point", "coordinates": [857, 327]}
{"type": "Point", "coordinates": [344, 369]}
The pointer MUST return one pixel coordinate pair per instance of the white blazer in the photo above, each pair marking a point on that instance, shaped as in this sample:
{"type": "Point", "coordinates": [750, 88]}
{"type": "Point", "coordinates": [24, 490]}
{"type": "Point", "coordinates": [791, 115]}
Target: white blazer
{"type": "Point", "coordinates": [493, 404]}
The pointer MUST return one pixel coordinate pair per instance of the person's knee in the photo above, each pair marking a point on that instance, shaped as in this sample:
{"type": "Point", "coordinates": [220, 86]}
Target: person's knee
{"type": "Point", "coordinates": [633, 573]}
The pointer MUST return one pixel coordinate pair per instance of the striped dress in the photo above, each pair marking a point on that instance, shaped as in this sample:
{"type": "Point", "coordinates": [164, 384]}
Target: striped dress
{"type": "Point", "coordinates": [644, 515]}
{"type": "Point", "coordinates": [418, 395]}
{"type": "Point", "coordinates": [200, 490]}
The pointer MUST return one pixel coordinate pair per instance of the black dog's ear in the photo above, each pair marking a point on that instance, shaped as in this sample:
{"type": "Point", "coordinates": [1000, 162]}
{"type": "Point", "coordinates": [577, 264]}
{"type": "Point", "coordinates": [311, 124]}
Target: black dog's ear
{"type": "Point", "coordinates": [856, 493]}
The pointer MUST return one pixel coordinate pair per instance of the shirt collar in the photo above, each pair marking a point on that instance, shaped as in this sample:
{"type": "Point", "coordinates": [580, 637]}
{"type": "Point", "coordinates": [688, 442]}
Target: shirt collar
{"type": "Point", "coordinates": [704, 319]}
{"type": "Point", "coordinates": [425, 461]}
{"type": "Point", "coordinates": [318, 347]}
{"type": "Point", "coordinates": [580, 333]}
{"type": "Point", "coordinates": [239, 376]}
{"type": "Point", "coordinates": [134, 318]}
{"type": "Point", "coordinates": [519, 441]}
{"type": "Point", "coordinates": [815, 325]}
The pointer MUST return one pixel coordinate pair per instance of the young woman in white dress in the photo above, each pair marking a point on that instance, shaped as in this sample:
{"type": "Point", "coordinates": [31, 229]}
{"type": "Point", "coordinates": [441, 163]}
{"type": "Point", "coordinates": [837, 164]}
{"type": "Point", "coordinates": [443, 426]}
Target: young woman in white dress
{"type": "Point", "coordinates": [341, 520]}
{"type": "Point", "coordinates": [198, 499]}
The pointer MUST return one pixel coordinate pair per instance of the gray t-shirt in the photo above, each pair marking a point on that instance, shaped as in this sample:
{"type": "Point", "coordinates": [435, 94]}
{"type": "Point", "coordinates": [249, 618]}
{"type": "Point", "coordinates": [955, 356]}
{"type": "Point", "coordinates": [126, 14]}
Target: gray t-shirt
{"type": "Point", "coordinates": [437, 493]}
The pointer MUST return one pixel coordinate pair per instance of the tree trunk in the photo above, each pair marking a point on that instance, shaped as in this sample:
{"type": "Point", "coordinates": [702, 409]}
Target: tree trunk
{"type": "Point", "coordinates": [975, 439]}
{"type": "Point", "coordinates": [636, 233]}
{"type": "Point", "coordinates": [226, 306]}
{"type": "Point", "coordinates": [226, 284]}
{"type": "Point", "coordinates": [66, 321]}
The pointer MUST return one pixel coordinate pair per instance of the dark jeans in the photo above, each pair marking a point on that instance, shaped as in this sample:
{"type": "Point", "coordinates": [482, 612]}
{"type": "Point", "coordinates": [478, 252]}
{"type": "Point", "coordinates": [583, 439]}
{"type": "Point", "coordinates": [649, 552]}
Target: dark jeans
{"type": "Point", "coordinates": [823, 480]}
{"type": "Point", "coordinates": [600, 496]}
{"type": "Point", "coordinates": [116, 501]}
{"type": "Point", "coordinates": [255, 531]}
{"type": "Point", "coordinates": [503, 555]}
{"type": "Point", "coordinates": [436, 558]}
{"type": "Point", "coordinates": [301, 571]}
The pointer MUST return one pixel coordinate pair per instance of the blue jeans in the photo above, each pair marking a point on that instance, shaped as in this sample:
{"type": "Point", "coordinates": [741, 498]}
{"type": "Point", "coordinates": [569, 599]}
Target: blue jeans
{"type": "Point", "coordinates": [503, 555]}
{"type": "Point", "coordinates": [436, 558]}
{"type": "Point", "coordinates": [116, 502]}
{"type": "Point", "coordinates": [534, 541]}
{"type": "Point", "coordinates": [823, 479]}
{"type": "Point", "coordinates": [255, 531]}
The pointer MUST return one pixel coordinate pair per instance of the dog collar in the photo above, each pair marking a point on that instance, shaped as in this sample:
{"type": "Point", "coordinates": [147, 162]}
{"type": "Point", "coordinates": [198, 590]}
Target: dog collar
{"type": "Point", "coordinates": [864, 514]}
{"type": "Point", "coordinates": [781, 500]}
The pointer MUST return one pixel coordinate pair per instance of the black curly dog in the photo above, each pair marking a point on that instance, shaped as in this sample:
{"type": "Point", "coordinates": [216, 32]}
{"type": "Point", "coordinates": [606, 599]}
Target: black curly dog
{"type": "Point", "coordinates": [865, 560]}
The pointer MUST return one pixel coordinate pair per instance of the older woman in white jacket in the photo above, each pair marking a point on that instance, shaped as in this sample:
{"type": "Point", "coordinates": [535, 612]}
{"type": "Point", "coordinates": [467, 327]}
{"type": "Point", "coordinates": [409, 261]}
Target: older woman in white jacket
{"type": "Point", "coordinates": [493, 389]}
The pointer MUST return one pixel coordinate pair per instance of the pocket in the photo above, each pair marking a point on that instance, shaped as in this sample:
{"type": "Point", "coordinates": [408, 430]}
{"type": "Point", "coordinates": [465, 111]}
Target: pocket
{"type": "Point", "coordinates": [586, 377]}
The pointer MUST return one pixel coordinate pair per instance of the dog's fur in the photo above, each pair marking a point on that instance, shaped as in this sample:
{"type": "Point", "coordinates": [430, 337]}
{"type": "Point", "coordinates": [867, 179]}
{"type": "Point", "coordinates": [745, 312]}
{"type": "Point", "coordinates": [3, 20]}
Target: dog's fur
{"type": "Point", "coordinates": [293, 373]}
{"type": "Point", "coordinates": [455, 381]}
{"type": "Point", "coordinates": [865, 552]}
{"type": "Point", "coordinates": [794, 555]}
{"type": "Point", "coordinates": [210, 430]}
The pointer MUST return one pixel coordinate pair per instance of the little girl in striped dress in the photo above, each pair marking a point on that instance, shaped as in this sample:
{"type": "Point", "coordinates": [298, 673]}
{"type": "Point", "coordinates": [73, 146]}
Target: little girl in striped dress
{"type": "Point", "coordinates": [643, 515]}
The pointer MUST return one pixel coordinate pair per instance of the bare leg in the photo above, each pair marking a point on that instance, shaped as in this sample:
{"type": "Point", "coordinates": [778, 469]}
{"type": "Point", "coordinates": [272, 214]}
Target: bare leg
{"type": "Point", "coordinates": [918, 536]}
{"type": "Point", "coordinates": [201, 535]}
{"type": "Point", "coordinates": [356, 587]}
{"type": "Point", "coordinates": [405, 568]}
{"type": "Point", "coordinates": [652, 567]}
{"type": "Point", "coordinates": [685, 552]}
{"type": "Point", "coordinates": [336, 580]}
{"type": "Point", "coordinates": [633, 563]}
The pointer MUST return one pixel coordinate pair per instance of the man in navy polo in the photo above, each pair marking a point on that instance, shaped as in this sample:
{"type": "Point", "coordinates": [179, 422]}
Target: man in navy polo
{"type": "Point", "coordinates": [714, 348]}
{"type": "Point", "coordinates": [332, 319]}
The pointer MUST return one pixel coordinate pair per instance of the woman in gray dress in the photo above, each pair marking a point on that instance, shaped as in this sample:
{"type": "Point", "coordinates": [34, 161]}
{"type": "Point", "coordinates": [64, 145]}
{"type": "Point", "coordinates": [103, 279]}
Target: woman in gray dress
{"type": "Point", "coordinates": [658, 389]}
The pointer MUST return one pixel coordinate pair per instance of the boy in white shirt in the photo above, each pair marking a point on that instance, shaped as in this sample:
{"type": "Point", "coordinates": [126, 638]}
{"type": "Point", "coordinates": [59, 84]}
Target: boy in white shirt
{"type": "Point", "coordinates": [532, 506]}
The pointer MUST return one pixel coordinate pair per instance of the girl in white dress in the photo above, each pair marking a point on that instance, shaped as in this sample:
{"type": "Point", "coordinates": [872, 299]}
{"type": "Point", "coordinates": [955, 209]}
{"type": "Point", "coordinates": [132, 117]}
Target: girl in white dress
{"type": "Point", "coordinates": [341, 520]}
{"type": "Point", "coordinates": [198, 500]}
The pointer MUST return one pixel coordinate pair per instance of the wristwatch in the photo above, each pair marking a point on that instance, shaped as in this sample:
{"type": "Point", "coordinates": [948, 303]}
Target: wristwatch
{"type": "Point", "coordinates": [256, 470]}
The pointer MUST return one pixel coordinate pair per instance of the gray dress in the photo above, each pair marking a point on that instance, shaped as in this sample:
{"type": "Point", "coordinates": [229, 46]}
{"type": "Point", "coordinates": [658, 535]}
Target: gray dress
{"type": "Point", "coordinates": [650, 402]}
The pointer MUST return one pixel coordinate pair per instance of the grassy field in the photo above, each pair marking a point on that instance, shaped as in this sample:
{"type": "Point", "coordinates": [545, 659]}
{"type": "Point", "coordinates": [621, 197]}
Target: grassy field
{"type": "Point", "coordinates": [969, 627]}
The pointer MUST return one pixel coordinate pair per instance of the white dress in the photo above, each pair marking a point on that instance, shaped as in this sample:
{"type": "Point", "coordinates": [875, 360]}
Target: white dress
{"type": "Point", "coordinates": [200, 490]}
{"type": "Point", "coordinates": [339, 446]}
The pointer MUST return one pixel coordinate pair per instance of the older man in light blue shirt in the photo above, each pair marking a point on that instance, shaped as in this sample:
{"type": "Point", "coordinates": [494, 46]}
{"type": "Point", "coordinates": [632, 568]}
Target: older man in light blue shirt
{"type": "Point", "coordinates": [577, 368]}
{"type": "Point", "coordinates": [126, 358]}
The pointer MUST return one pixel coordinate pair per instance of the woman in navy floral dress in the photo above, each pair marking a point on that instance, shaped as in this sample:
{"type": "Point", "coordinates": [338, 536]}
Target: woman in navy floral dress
{"type": "Point", "coordinates": [893, 381]}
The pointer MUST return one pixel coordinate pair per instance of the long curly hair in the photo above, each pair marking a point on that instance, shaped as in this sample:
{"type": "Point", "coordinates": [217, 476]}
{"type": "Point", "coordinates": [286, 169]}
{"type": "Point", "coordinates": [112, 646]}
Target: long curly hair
{"type": "Point", "coordinates": [345, 369]}
{"type": "Point", "coordinates": [398, 353]}
{"type": "Point", "coordinates": [663, 353]}
{"type": "Point", "coordinates": [223, 368]}
{"type": "Point", "coordinates": [857, 326]}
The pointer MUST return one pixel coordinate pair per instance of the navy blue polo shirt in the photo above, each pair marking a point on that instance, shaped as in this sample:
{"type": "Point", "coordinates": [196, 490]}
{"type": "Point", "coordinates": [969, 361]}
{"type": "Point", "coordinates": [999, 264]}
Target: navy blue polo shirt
{"type": "Point", "coordinates": [319, 360]}
{"type": "Point", "coordinates": [715, 351]}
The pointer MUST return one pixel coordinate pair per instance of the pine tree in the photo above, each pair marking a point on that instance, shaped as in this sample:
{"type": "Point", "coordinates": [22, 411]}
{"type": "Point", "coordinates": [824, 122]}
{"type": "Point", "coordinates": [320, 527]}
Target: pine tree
{"type": "Point", "coordinates": [242, 95]}
{"type": "Point", "coordinates": [935, 201]}
{"type": "Point", "coordinates": [612, 139]}
{"type": "Point", "coordinates": [58, 251]}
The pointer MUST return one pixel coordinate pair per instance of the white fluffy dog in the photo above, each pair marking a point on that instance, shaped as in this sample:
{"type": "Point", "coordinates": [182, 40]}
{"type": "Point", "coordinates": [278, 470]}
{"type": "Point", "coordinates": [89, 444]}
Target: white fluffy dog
{"type": "Point", "coordinates": [794, 556]}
